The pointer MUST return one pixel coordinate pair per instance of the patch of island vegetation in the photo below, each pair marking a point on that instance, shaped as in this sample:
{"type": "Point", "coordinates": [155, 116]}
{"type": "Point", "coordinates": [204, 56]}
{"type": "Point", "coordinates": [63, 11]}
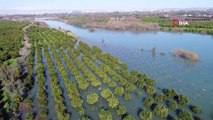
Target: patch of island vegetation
{"type": "Point", "coordinates": [187, 55]}
{"type": "Point", "coordinates": [59, 63]}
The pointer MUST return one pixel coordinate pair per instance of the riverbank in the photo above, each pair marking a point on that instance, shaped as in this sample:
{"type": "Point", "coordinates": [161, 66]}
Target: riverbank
{"type": "Point", "coordinates": [136, 25]}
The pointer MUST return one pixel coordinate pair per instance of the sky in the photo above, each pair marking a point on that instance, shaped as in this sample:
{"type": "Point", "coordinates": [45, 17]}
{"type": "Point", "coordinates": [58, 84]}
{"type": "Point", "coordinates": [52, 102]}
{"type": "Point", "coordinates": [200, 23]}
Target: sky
{"type": "Point", "coordinates": [115, 5]}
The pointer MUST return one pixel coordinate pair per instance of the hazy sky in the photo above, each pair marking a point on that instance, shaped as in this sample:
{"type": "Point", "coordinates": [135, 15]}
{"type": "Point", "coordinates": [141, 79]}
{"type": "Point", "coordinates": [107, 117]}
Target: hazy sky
{"type": "Point", "coordinates": [102, 4]}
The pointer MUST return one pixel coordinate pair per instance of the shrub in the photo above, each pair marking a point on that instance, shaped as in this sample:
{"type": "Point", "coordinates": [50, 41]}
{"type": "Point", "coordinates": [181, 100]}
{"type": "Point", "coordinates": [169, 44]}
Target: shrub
{"type": "Point", "coordinates": [170, 93]}
{"type": "Point", "coordinates": [123, 82]}
{"type": "Point", "coordinates": [85, 118]}
{"type": "Point", "coordinates": [119, 91]}
{"type": "Point", "coordinates": [138, 94]}
{"type": "Point", "coordinates": [106, 80]}
{"type": "Point", "coordinates": [133, 79]}
{"type": "Point", "coordinates": [43, 114]}
{"type": "Point", "coordinates": [83, 85]}
{"type": "Point", "coordinates": [140, 83]}
{"type": "Point", "coordinates": [127, 96]}
{"type": "Point", "coordinates": [135, 73]}
{"type": "Point", "coordinates": [129, 87]}
{"type": "Point", "coordinates": [145, 115]}
{"type": "Point", "coordinates": [182, 100]}
{"type": "Point", "coordinates": [185, 115]}
{"type": "Point", "coordinates": [172, 104]}
{"type": "Point", "coordinates": [112, 102]}
{"type": "Point", "coordinates": [129, 117]}
{"type": "Point", "coordinates": [95, 83]}
{"type": "Point", "coordinates": [106, 93]}
{"type": "Point", "coordinates": [121, 110]}
{"type": "Point", "coordinates": [92, 98]}
{"type": "Point", "coordinates": [150, 82]}
{"type": "Point", "coordinates": [195, 109]}
{"type": "Point", "coordinates": [29, 116]}
{"type": "Point", "coordinates": [161, 111]}
{"type": "Point", "coordinates": [148, 101]}
{"type": "Point", "coordinates": [149, 90]}
{"type": "Point", "coordinates": [159, 98]}
{"type": "Point", "coordinates": [76, 102]}
{"type": "Point", "coordinates": [124, 66]}
{"type": "Point", "coordinates": [105, 115]}
{"type": "Point", "coordinates": [112, 84]}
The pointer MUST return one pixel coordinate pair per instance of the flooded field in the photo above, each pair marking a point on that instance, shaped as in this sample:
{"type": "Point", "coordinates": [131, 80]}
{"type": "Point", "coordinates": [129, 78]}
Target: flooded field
{"type": "Point", "coordinates": [192, 79]}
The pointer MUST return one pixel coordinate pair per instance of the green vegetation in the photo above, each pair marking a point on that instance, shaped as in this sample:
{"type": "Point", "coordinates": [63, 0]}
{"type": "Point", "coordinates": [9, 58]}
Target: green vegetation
{"type": "Point", "coordinates": [161, 111]}
{"type": "Point", "coordinates": [148, 101]}
{"type": "Point", "coordinates": [184, 115]}
{"type": "Point", "coordinates": [119, 91]}
{"type": "Point", "coordinates": [172, 105]}
{"type": "Point", "coordinates": [11, 38]}
{"type": "Point", "coordinates": [182, 100]}
{"type": "Point", "coordinates": [159, 97]}
{"type": "Point", "coordinates": [145, 115]}
{"type": "Point", "coordinates": [112, 102]}
{"type": "Point", "coordinates": [12, 89]}
{"type": "Point", "coordinates": [92, 98]}
{"type": "Point", "coordinates": [121, 110]}
{"type": "Point", "coordinates": [127, 96]}
{"type": "Point", "coordinates": [170, 93]}
{"type": "Point", "coordinates": [197, 27]}
{"type": "Point", "coordinates": [149, 90]}
{"type": "Point", "coordinates": [195, 109]}
{"type": "Point", "coordinates": [129, 117]}
{"type": "Point", "coordinates": [129, 87]}
{"type": "Point", "coordinates": [106, 93]}
{"type": "Point", "coordinates": [105, 115]}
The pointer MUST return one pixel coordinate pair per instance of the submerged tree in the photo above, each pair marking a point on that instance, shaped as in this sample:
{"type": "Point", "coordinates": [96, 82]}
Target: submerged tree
{"type": "Point", "coordinates": [121, 110]}
{"type": "Point", "coordinates": [105, 115]}
{"type": "Point", "coordinates": [145, 115]}
{"type": "Point", "coordinates": [195, 109]}
{"type": "Point", "coordinates": [119, 91]}
{"type": "Point", "coordinates": [92, 98]}
{"type": "Point", "coordinates": [161, 111]}
{"type": "Point", "coordinates": [182, 100]}
{"type": "Point", "coordinates": [150, 90]}
{"type": "Point", "coordinates": [185, 115]}
{"type": "Point", "coordinates": [172, 104]}
{"type": "Point", "coordinates": [112, 102]}
{"type": "Point", "coordinates": [148, 101]}
{"type": "Point", "coordinates": [106, 93]}
{"type": "Point", "coordinates": [159, 97]}
{"type": "Point", "coordinates": [129, 117]}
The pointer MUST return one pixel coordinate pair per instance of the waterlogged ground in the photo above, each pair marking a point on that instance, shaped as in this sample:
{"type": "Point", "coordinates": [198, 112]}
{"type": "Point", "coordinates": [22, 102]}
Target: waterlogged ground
{"type": "Point", "coordinates": [194, 80]}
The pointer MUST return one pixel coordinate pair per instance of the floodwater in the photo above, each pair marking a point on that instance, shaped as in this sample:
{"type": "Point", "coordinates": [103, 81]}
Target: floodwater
{"type": "Point", "coordinates": [192, 79]}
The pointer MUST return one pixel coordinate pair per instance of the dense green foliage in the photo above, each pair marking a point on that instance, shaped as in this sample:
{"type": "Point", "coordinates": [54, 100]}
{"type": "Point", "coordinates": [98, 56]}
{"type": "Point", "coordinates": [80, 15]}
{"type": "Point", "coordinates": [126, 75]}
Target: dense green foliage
{"type": "Point", "coordinates": [145, 115]}
{"type": "Point", "coordinates": [161, 111]}
{"type": "Point", "coordinates": [184, 115]}
{"type": "Point", "coordinates": [105, 115]}
{"type": "Point", "coordinates": [92, 98]}
{"type": "Point", "coordinates": [195, 109]}
{"type": "Point", "coordinates": [121, 110]}
{"type": "Point", "coordinates": [172, 104]}
{"type": "Point", "coordinates": [148, 101]}
{"type": "Point", "coordinates": [11, 38]}
{"type": "Point", "coordinates": [166, 24]}
{"type": "Point", "coordinates": [12, 88]}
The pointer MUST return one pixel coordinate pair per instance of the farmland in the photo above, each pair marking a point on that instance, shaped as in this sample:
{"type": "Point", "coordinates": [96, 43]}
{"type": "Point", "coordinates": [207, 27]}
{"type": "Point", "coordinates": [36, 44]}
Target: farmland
{"type": "Point", "coordinates": [66, 78]}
